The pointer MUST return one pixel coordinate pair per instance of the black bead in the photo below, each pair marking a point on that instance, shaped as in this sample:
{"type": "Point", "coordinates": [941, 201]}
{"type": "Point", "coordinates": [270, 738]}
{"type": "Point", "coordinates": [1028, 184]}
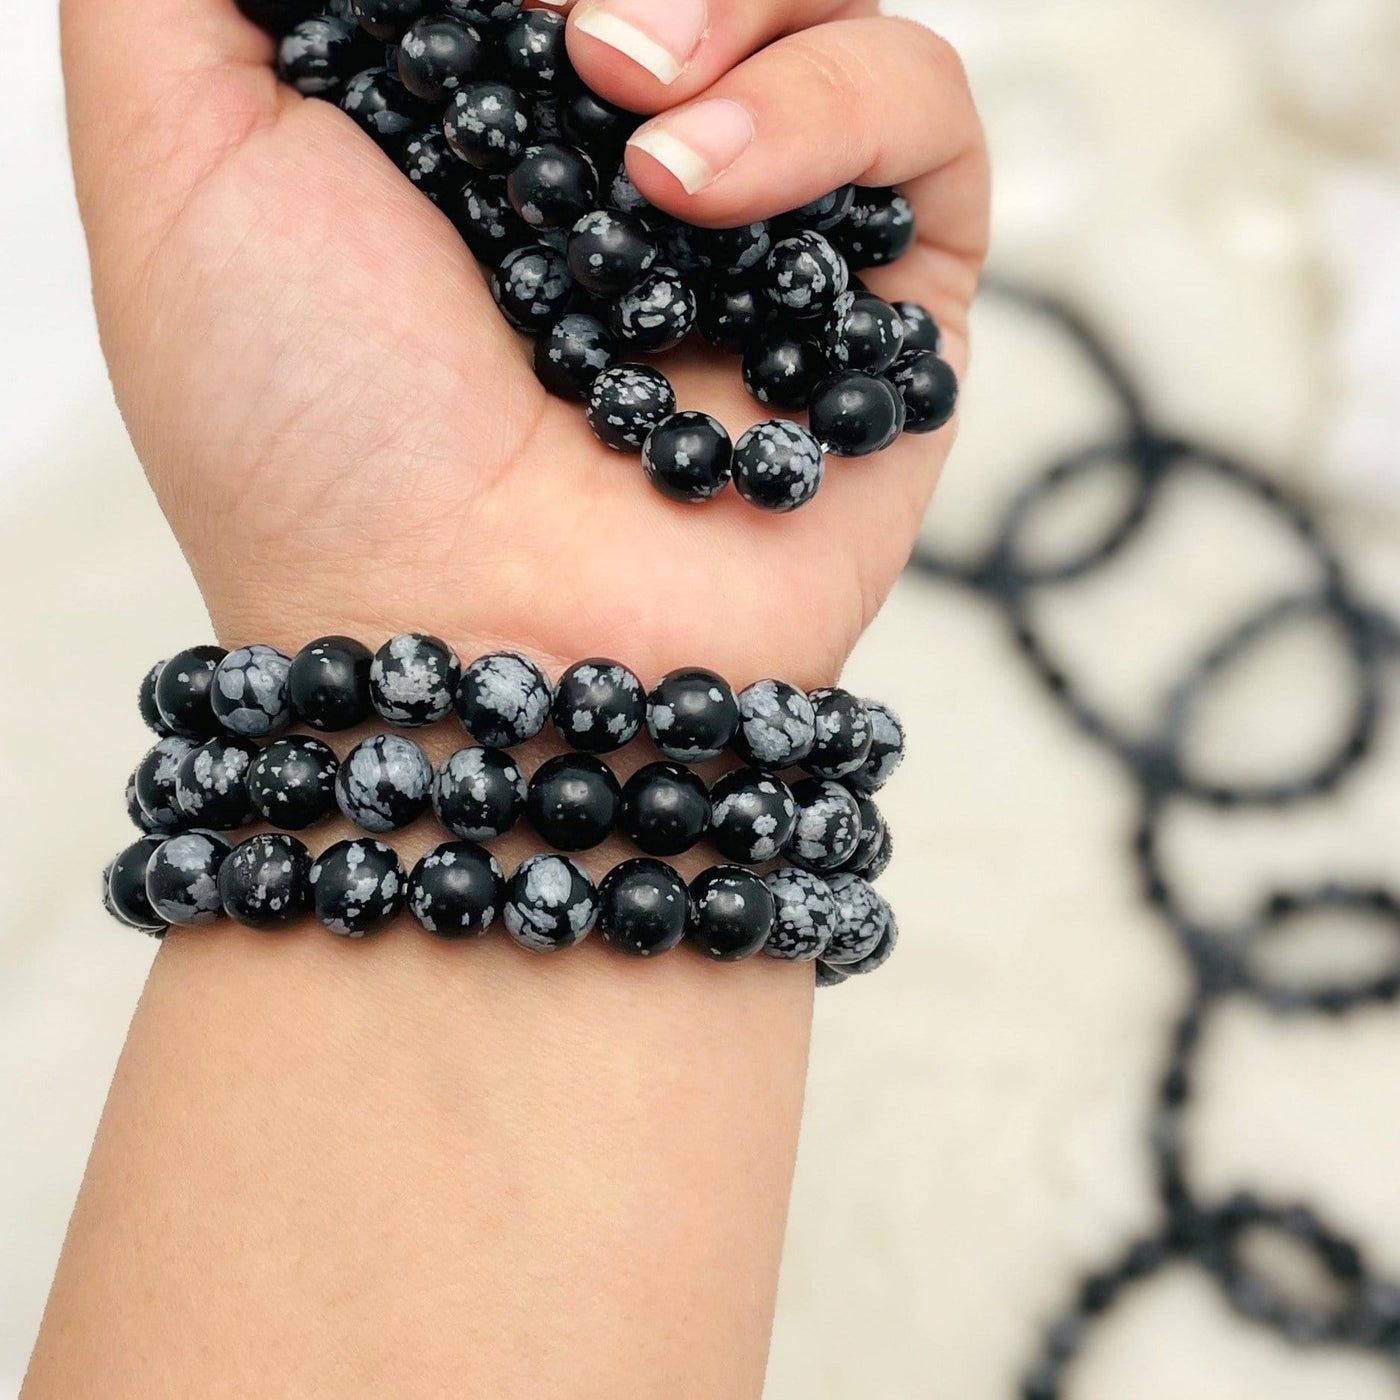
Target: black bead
{"type": "Point", "coordinates": [643, 908]}
{"type": "Point", "coordinates": [481, 213]}
{"type": "Point", "coordinates": [882, 858]}
{"type": "Point", "coordinates": [544, 113]}
{"type": "Point", "coordinates": [728, 316]}
{"type": "Point", "coordinates": [781, 370]}
{"type": "Point", "coordinates": [488, 125]}
{"type": "Point", "coordinates": [278, 16]}
{"type": "Point", "coordinates": [777, 725]}
{"type": "Point", "coordinates": [844, 734]}
{"type": "Point", "coordinates": [626, 198]}
{"type": "Point", "coordinates": [828, 976]}
{"type": "Point", "coordinates": [266, 881]}
{"type": "Point", "coordinates": [574, 802]}
{"type": "Point", "coordinates": [853, 414]}
{"type": "Point", "coordinates": [599, 706]}
{"type": "Point", "coordinates": [155, 782]}
{"type": "Point", "coordinates": [655, 315]}
{"type": "Point", "coordinates": [692, 715]}
{"type": "Point", "coordinates": [921, 331]}
{"type": "Point", "coordinates": [879, 229]}
{"type": "Point", "coordinates": [610, 252]}
{"type": "Point", "coordinates": [532, 287]}
{"type": "Point", "coordinates": [211, 784]}
{"type": "Point", "coordinates": [479, 794]}
{"type": "Point", "coordinates": [536, 55]}
{"type": "Point", "coordinates": [320, 55]}
{"type": "Point", "coordinates": [734, 252]}
{"type": "Point", "coordinates": [778, 466]}
{"type": "Point", "coordinates": [678, 244]}
{"type": "Point", "coordinates": [550, 904]}
{"type": "Point", "coordinates": [552, 186]}
{"type": "Point", "coordinates": [803, 275]}
{"type": "Point", "coordinates": [182, 878]}
{"type": "Point", "coordinates": [688, 457]}
{"type": "Point", "coordinates": [134, 810]}
{"type": "Point", "coordinates": [804, 918]}
{"type": "Point", "coordinates": [182, 692]}
{"type": "Point", "coordinates": [126, 884]}
{"type": "Point", "coordinates": [871, 841]}
{"type": "Point", "coordinates": [438, 55]}
{"type": "Point", "coordinates": [862, 919]}
{"type": "Point", "coordinates": [886, 750]}
{"type": "Point", "coordinates": [828, 825]}
{"type": "Point", "coordinates": [487, 15]}
{"type": "Point", "coordinates": [864, 332]}
{"type": "Point", "coordinates": [329, 683]}
{"type": "Point", "coordinates": [359, 886]}
{"type": "Point", "coordinates": [457, 891]}
{"type": "Point", "coordinates": [597, 126]}
{"type": "Point", "coordinates": [823, 213]}
{"type": "Point", "coordinates": [929, 389]}
{"type": "Point", "coordinates": [626, 402]}
{"type": "Point", "coordinates": [574, 351]}
{"type": "Point", "coordinates": [146, 702]}
{"type": "Point", "coordinates": [291, 783]}
{"type": "Point", "coordinates": [431, 167]}
{"type": "Point", "coordinates": [249, 695]}
{"type": "Point", "coordinates": [732, 913]}
{"type": "Point", "coordinates": [503, 699]}
{"type": "Point", "coordinates": [413, 679]}
{"type": "Point", "coordinates": [665, 809]}
{"type": "Point", "coordinates": [384, 783]}
{"type": "Point", "coordinates": [381, 105]}
{"type": "Point", "coordinates": [386, 19]}
{"type": "Point", "coordinates": [753, 816]}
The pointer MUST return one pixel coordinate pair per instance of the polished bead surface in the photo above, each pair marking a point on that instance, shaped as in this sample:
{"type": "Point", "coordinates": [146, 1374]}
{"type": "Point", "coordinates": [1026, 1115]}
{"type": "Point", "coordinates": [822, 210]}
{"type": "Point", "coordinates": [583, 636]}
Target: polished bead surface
{"type": "Point", "coordinates": [479, 794]}
{"type": "Point", "coordinates": [358, 887]}
{"type": "Point", "coordinates": [863, 332]}
{"type": "Point", "coordinates": [211, 784]}
{"type": "Point", "coordinates": [146, 701]}
{"type": "Point", "coordinates": [732, 913]}
{"type": "Point", "coordinates": [413, 679]}
{"type": "Point", "coordinates": [535, 52]}
{"type": "Point", "coordinates": [610, 252]}
{"type": "Point", "coordinates": [861, 919]}
{"type": "Point", "coordinates": [291, 783]}
{"type": "Point", "coordinates": [878, 230]}
{"type": "Point", "coordinates": [532, 287]}
{"type": "Point", "coordinates": [872, 837]}
{"type": "Point", "coordinates": [828, 825]}
{"type": "Point", "coordinates": [438, 55]}
{"type": "Point", "coordinates": [126, 884]}
{"type": "Point", "coordinates": [777, 725]}
{"type": "Point", "coordinates": [921, 331]}
{"type": "Point", "coordinates": [386, 19]}
{"type": "Point", "coordinates": [734, 252]}
{"type": "Point", "coordinates": [490, 15]}
{"type": "Point", "coordinates": [155, 782]}
{"type": "Point", "coordinates": [804, 915]}
{"type": "Point", "coordinates": [481, 213]}
{"type": "Point", "coordinates": [778, 466]}
{"type": "Point", "coordinates": [182, 879]}
{"type": "Point", "coordinates": [823, 213]}
{"type": "Point", "coordinates": [599, 705]}
{"type": "Point", "coordinates": [572, 353]}
{"type": "Point", "coordinates": [929, 389]}
{"type": "Point", "coordinates": [728, 315]}
{"type": "Point", "coordinates": [803, 275]}
{"type": "Point", "coordinates": [250, 691]}
{"type": "Point", "coordinates": [550, 904]}
{"type": "Point", "coordinates": [782, 370]}
{"type": "Point", "coordinates": [552, 186]}
{"type": "Point", "coordinates": [624, 196]}
{"type": "Point", "coordinates": [886, 749]}
{"type": "Point", "coordinates": [688, 457]}
{"type": "Point", "coordinates": [134, 810]}
{"type": "Point", "coordinates": [266, 881]}
{"type": "Point", "coordinates": [381, 105]}
{"type": "Point", "coordinates": [882, 952]}
{"type": "Point", "coordinates": [844, 733]}
{"type": "Point", "coordinates": [457, 891]}
{"type": "Point", "coordinates": [665, 809]}
{"type": "Point", "coordinates": [656, 314]}
{"type": "Point", "coordinates": [431, 167]}
{"type": "Point", "coordinates": [882, 858]}
{"type": "Point", "coordinates": [487, 125]}
{"type": "Point", "coordinates": [503, 699]}
{"type": "Point", "coordinates": [692, 715]}
{"type": "Point", "coordinates": [853, 414]}
{"type": "Point", "coordinates": [384, 783]}
{"type": "Point", "coordinates": [574, 802]}
{"type": "Point", "coordinates": [329, 683]}
{"type": "Point", "coordinates": [597, 126]}
{"type": "Point", "coordinates": [626, 402]}
{"type": "Point", "coordinates": [320, 55]}
{"type": "Point", "coordinates": [753, 816]}
{"type": "Point", "coordinates": [182, 692]}
{"type": "Point", "coordinates": [643, 908]}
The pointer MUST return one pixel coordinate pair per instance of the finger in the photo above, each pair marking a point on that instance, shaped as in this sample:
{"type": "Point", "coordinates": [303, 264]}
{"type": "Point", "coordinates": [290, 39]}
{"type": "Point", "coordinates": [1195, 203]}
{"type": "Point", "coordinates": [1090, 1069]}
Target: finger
{"type": "Point", "coordinates": [647, 55]}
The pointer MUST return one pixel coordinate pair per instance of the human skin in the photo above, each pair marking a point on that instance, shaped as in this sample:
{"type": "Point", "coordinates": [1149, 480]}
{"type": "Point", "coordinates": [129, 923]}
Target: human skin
{"type": "Point", "coordinates": [404, 1167]}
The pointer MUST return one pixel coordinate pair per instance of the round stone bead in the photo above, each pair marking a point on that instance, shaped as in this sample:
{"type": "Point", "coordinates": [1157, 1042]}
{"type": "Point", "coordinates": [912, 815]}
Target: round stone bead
{"type": "Point", "coordinates": [457, 890]}
{"type": "Point", "coordinates": [844, 734]}
{"type": "Point", "coordinates": [665, 809]}
{"type": "Point", "coordinates": [883, 951]}
{"type": "Point", "coordinates": [552, 186]}
{"type": "Point", "coordinates": [358, 887]}
{"type": "Point", "coordinates": [921, 331]}
{"type": "Point", "coordinates": [624, 196]}
{"type": "Point", "coordinates": [879, 229]}
{"type": "Point", "coordinates": [864, 332]}
{"type": "Point", "coordinates": [753, 816]}
{"type": "Point", "coordinates": [728, 316]}
{"type": "Point", "coordinates": [544, 116]}
{"type": "Point", "coordinates": [291, 783]}
{"type": "Point", "coordinates": [803, 275]}
{"type": "Point", "coordinates": [535, 52]}
{"type": "Point", "coordinates": [381, 106]}
{"type": "Point", "coordinates": [146, 701]}
{"type": "Point", "coordinates": [732, 913]}
{"type": "Point", "coordinates": [329, 684]}
{"type": "Point", "coordinates": [182, 879]}
{"type": "Point", "coordinates": [182, 692]}
{"type": "Point", "coordinates": [692, 715]}
{"type": "Point", "coordinates": [430, 166]}
{"type": "Point", "coordinates": [574, 802]}
{"type": "Point", "coordinates": [778, 466]}
{"type": "Point", "coordinates": [550, 904]}
{"type": "Point", "coordinates": [823, 213]}
{"type": "Point", "coordinates": [575, 350]}
{"type": "Point", "coordinates": [804, 918]}
{"type": "Point", "coordinates": [678, 245]}
{"type": "Point", "coordinates": [413, 679]}
{"type": "Point", "coordinates": [532, 287]}
{"type": "Point", "coordinates": [155, 782]}
{"type": "Point", "coordinates": [479, 794]}
{"type": "Point", "coordinates": [657, 314]}
{"type": "Point", "coordinates": [266, 881]}
{"type": "Point", "coordinates": [688, 457]}
{"type": "Point", "coordinates": [134, 810]}
{"type": "Point", "coordinates": [250, 691]}
{"type": "Point", "coordinates": [126, 884]}
{"type": "Point", "coordinates": [487, 125]}
{"type": "Point", "coordinates": [488, 15]}
{"type": "Point", "coordinates": [828, 976]}
{"type": "Point", "coordinates": [643, 908]}
{"type": "Point", "coordinates": [626, 402]}
{"type": "Point", "coordinates": [595, 125]}
{"type": "Point", "coordinates": [886, 749]}
{"type": "Point", "coordinates": [828, 825]}
{"type": "Point", "coordinates": [610, 252]}
{"type": "Point", "coordinates": [599, 706]}
{"type": "Point", "coordinates": [781, 370]}
{"type": "Point", "coordinates": [503, 699]}
{"type": "Point", "coordinates": [734, 252]}
{"type": "Point", "coordinates": [854, 414]}
{"type": "Point", "coordinates": [384, 783]}
{"type": "Point", "coordinates": [481, 213]}
{"type": "Point", "coordinates": [777, 725]}
{"type": "Point", "coordinates": [882, 859]}
{"type": "Point", "coordinates": [211, 784]}
{"type": "Point", "coordinates": [872, 838]}
{"type": "Point", "coordinates": [320, 55]}
{"type": "Point", "coordinates": [386, 19]}
{"type": "Point", "coordinates": [929, 388]}
{"type": "Point", "coordinates": [861, 919]}
{"type": "Point", "coordinates": [438, 55]}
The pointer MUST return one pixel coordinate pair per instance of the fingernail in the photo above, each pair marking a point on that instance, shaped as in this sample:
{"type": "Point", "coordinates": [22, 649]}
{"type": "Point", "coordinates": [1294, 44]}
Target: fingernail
{"type": "Point", "coordinates": [697, 144]}
{"type": "Point", "coordinates": [660, 35]}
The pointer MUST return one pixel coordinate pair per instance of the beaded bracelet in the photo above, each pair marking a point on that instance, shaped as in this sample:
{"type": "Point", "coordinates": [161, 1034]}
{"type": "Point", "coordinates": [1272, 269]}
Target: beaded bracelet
{"type": "Point", "coordinates": [483, 112]}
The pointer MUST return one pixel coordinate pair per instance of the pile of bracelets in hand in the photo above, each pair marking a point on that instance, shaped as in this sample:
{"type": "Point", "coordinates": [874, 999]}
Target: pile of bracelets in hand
{"type": "Point", "coordinates": [800, 859]}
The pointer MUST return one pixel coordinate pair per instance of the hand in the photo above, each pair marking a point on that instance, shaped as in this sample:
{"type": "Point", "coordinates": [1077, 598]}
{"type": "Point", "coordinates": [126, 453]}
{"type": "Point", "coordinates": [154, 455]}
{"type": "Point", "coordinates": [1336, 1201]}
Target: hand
{"type": "Point", "coordinates": [344, 433]}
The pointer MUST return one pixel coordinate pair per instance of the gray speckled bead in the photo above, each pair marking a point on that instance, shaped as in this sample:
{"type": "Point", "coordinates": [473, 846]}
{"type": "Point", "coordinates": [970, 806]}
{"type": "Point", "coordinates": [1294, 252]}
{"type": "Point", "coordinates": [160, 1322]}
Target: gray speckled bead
{"type": "Point", "coordinates": [413, 679]}
{"type": "Point", "coordinates": [843, 733]}
{"type": "Point", "coordinates": [266, 881]}
{"type": "Point", "coordinates": [182, 880]}
{"type": "Point", "coordinates": [155, 782]}
{"type": "Point", "coordinates": [862, 916]}
{"type": "Point", "coordinates": [384, 783]}
{"type": "Point", "coordinates": [778, 465]}
{"type": "Point", "coordinates": [657, 313]}
{"type": "Point", "coordinates": [804, 275]}
{"type": "Point", "coordinates": [828, 825]}
{"type": "Point", "coordinates": [881, 953]}
{"type": "Point", "coordinates": [358, 887]}
{"type": "Point", "coordinates": [249, 694]}
{"type": "Point", "coordinates": [550, 904]}
{"type": "Point", "coordinates": [777, 725]}
{"type": "Point", "coordinates": [479, 794]}
{"type": "Point", "coordinates": [503, 699]}
{"type": "Point", "coordinates": [211, 784]}
{"type": "Point", "coordinates": [805, 916]}
{"type": "Point", "coordinates": [753, 816]}
{"type": "Point", "coordinates": [626, 402]}
{"type": "Point", "coordinates": [882, 858]}
{"type": "Point", "coordinates": [886, 749]}
{"type": "Point", "coordinates": [457, 890]}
